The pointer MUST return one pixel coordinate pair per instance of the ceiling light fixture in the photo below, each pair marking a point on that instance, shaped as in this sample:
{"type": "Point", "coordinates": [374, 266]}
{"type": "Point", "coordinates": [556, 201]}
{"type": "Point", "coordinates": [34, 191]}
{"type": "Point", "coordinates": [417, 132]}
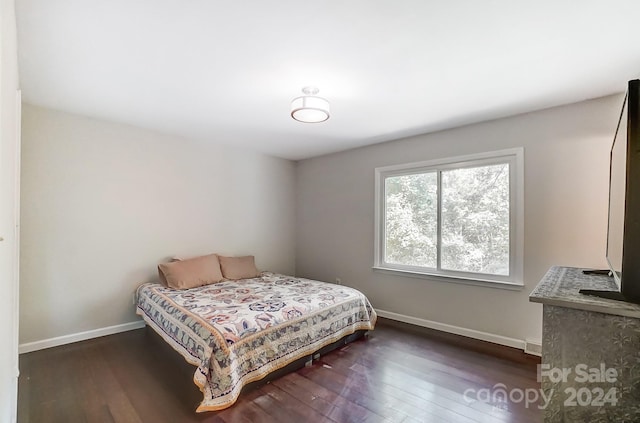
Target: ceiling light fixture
{"type": "Point", "coordinates": [310, 108]}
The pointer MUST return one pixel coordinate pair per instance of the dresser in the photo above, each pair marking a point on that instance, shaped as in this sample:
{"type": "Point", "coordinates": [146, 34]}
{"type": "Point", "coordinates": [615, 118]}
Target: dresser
{"type": "Point", "coordinates": [590, 369]}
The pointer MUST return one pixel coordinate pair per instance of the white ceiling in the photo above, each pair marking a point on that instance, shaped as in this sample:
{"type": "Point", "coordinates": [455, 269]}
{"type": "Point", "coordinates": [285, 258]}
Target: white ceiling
{"type": "Point", "coordinates": [226, 71]}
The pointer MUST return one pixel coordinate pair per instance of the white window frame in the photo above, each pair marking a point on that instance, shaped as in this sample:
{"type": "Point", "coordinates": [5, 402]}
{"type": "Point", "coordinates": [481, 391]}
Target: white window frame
{"type": "Point", "coordinates": [515, 158]}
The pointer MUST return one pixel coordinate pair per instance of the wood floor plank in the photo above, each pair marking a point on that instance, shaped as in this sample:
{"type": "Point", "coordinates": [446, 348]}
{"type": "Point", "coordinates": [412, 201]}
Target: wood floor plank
{"type": "Point", "coordinates": [368, 394]}
{"type": "Point", "coordinates": [378, 402]}
{"type": "Point", "coordinates": [89, 396]}
{"type": "Point", "coordinates": [420, 393]}
{"type": "Point", "coordinates": [246, 409]}
{"type": "Point", "coordinates": [399, 374]}
{"type": "Point", "coordinates": [137, 368]}
{"type": "Point", "coordinates": [402, 380]}
{"type": "Point", "coordinates": [284, 407]}
{"type": "Point", "coordinates": [117, 401]}
{"type": "Point", "coordinates": [449, 376]}
{"type": "Point", "coordinates": [24, 389]}
{"type": "Point", "coordinates": [344, 409]}
{"type": "Point", "coordinates": [309, 398]}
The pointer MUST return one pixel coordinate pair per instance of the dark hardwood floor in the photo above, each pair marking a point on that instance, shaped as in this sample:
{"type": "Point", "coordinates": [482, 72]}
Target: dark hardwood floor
{"type": "Point", "coordinates": [401, 373]}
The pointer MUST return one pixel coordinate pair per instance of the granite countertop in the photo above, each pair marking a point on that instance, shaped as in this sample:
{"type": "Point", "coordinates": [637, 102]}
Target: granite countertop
{"type": "Point", "coordinates": [560, 286]}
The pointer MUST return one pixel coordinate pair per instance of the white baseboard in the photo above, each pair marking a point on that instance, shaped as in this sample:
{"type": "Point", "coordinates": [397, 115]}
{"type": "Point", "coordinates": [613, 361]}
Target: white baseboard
{"type": "Point", "coordinates": [529, 346]}
{"type": "Point", "coordinates": [470, 333]}
{"type": "Point", "coordinates": [76, 337]}
{"type": "Point", "coordinates": [533, 347]}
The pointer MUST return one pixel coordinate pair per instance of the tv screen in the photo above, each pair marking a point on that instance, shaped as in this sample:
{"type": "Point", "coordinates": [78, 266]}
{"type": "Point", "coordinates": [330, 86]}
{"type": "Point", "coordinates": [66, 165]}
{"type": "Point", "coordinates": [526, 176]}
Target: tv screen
{"type": "Point", "coordinates": [623, 235]}
{"type": "Point", "coordinates": [617, 189]}
{"type": "Point", "coordinates": [623, 238]}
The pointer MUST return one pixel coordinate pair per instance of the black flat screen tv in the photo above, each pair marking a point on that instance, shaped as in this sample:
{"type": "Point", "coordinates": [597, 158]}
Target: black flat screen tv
{"type": "Point", "coordinates": [623, 231]}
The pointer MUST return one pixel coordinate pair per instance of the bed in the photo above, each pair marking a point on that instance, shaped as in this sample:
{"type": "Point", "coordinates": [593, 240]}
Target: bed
{"type": "Point", "coordinates": [239, 331]}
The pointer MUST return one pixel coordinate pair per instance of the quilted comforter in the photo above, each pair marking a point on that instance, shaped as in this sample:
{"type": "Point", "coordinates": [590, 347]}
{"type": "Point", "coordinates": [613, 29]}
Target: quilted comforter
{"type": "Point", "coordinates": [237, 332]}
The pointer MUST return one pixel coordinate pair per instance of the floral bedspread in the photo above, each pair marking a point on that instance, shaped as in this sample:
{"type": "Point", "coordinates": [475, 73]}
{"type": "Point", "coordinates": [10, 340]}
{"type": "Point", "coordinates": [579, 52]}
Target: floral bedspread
{"type": "Point", "coordinates": [237, 332]}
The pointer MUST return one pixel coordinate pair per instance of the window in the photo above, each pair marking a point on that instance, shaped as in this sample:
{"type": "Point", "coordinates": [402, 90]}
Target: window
{"type": "Point", "coordinates": [459, 218]}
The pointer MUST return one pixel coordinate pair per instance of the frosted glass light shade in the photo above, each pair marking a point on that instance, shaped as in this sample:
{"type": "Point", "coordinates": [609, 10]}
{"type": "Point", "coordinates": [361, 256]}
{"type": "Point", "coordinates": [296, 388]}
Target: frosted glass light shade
{"type": "Point", "coordinates": [310, 109]}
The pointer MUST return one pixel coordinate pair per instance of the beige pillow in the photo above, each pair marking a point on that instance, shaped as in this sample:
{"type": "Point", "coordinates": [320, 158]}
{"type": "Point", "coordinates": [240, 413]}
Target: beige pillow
{"type": "Point", "coordinates": [163, 280]}
{"type": "Point", "coordinates": [198, 271]}
{"type": "Point", "coordinates": [238, 267]}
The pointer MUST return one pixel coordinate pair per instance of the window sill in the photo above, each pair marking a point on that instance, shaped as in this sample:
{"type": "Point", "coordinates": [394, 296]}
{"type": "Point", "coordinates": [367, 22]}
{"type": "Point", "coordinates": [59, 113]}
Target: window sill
{"type": "Point", "coordinates": [513, 286]}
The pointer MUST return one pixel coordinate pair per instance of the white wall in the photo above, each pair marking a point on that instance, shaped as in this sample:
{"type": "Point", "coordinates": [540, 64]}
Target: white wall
{"type": "Point", "coordinates": [9, 173]}
{"type": "Point", "coordinates": [103, 203]}
{"type": "Point", "coordinates": [566, 185]}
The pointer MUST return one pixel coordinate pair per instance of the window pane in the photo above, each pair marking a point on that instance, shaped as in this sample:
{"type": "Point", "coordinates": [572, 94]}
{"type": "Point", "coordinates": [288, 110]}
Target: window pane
{"type": "Point", "coordinates": [411, 219]}
{"type": "Point", "coordinates": [475, 219]}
